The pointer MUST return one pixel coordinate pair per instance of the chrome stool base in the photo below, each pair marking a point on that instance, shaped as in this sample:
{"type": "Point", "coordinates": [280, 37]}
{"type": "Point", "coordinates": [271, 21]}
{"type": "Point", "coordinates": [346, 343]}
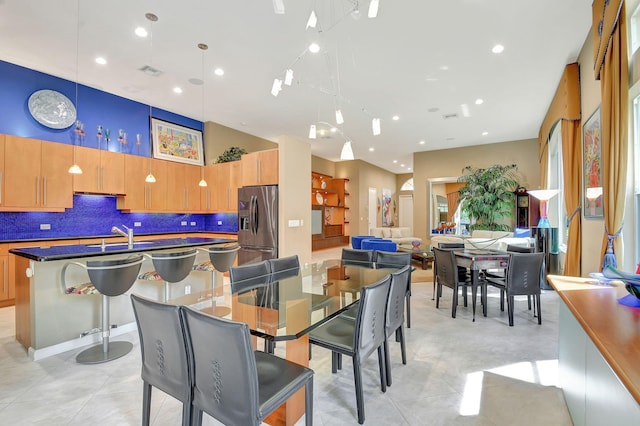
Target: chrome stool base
{"type": "Point", "coordinates": [96, 354]}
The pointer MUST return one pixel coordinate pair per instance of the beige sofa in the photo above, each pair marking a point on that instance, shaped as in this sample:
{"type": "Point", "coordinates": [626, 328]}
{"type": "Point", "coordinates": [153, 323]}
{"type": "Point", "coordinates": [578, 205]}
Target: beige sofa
{"type": "Point", "coordinates": [494, 240]}
{"type": "Point", "coordinates": [400, 235]}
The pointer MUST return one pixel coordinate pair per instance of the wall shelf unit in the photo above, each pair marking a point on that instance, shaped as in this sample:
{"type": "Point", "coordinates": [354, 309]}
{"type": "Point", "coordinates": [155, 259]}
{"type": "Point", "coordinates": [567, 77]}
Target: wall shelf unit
{"type": "Point", "coordinates": [328, 201]}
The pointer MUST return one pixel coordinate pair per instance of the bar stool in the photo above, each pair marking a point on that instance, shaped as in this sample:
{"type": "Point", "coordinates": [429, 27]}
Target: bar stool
{"type": "Point", "coordinates": [171, 267]}
{"type": "Point", "coordinates": [221, 258]}
{"type": "Point", "coordinates": [110, 278]}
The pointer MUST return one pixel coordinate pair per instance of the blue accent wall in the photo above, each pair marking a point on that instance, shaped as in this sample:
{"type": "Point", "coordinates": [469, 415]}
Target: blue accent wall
{"type": "Point", "coordinates": [91, 215]}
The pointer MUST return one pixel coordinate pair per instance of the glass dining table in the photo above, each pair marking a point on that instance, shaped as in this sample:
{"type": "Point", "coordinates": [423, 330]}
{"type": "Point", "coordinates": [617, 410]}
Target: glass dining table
{"type": "Point", "coordinates": [286, 306]}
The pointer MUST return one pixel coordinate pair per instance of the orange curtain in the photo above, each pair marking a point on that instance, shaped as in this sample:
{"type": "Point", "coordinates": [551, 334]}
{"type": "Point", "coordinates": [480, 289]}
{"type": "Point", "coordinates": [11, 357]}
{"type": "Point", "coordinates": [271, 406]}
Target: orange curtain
{"type": "Point", "coordinates": [614, 84]}
{"type": "Point", "coordinates": [571, 170]}
{"type": "Point", "coordinates": [453, 199]}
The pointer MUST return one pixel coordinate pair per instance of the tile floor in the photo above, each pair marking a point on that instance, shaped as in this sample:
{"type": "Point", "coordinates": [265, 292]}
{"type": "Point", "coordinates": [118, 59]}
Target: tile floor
{"type": "Point", "coordinates": [442, 383]}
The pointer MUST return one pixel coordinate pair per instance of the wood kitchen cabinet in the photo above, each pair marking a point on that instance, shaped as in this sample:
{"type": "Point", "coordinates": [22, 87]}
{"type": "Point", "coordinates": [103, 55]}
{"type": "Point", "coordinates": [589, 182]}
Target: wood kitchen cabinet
{"type": "Point", "coordinates": [102, 171]}
{"type": "Point", "coordinates": [207, 193]}
{"type": "Point", "coordinates": [2, 174]}
{"type": "Point", "coordinates": [35, 176]}
{"type": "Point", "coordinates": [183, 191]}
{"type": "Point", "coordinates": [6, 292]}
{"type": "Point", "coordinates": [141, 195]}
{"type": "Point", "coordinates": [229, 178]}
{"type": "Point", "coordinates": [260, 168]}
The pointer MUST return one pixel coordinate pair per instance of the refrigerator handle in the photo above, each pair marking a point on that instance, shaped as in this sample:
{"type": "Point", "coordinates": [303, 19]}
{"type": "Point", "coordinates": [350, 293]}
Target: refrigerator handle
{"type": "Point", "coordinates": [252, 214]}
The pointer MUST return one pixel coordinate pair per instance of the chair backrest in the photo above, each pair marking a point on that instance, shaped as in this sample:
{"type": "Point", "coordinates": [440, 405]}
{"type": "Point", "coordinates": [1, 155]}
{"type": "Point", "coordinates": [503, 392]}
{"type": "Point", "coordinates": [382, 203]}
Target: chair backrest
{"type": "Point", "coordinates": [519, 249]}
{"type": "Point", "coordinates": [251, 270]}
{"type": "Point", "coordinates": [370, 319]}
{"type": "Point", "coordinates": [386, 259]}
{"type": "Point", "coordinates": [114, 277]}
{"type": "Point", "coordinates": [523, 273]}
{"type": "Point", "coordinates": [446, 269]}
{"type": "Point", "coordinates": [165, 359]}
{"type": "Point", "coordinates": [395, 301]}
{"type": "Point", "coordinates": [284, 263]}
{"type": "Point", "coordinates": [225, 383]}
{"type": "Point", "coordinates": [174, 266]}
{"type": "Point", "coordinates": [451, 245]}
{"type": "Point", "coordinates": [355, 255]}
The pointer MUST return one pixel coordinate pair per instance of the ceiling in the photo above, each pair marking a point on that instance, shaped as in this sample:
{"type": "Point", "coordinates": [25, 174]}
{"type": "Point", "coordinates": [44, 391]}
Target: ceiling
{"type": "Point", "coordinates": [426, 61]}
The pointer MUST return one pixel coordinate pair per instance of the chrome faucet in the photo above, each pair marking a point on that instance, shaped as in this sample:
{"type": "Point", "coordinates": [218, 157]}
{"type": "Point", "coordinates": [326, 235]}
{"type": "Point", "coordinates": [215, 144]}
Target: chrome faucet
{"type": "Point", "coordinates": [128, 234]}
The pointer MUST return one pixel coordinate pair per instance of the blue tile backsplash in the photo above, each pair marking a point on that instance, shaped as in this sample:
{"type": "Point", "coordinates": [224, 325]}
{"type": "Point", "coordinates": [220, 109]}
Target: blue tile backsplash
{"type": "Point", "coordinates": [95, 215]}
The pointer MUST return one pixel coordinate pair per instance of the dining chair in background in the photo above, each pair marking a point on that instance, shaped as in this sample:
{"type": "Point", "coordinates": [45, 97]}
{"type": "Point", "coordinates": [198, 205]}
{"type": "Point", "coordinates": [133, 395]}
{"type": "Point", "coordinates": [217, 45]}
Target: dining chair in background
{"type": "Point", "coordinates": [522, 279]}
{"type": "Point", "coordinates": [353, 257]}
{"type": "Point", "coordinates": [165, 360]}
{"type": "Point", "coordinates": [358, 339]}
{"type": "Point", "coordinates": [395, 316]}
{"type": "Point", "coordinates": [386, 259]}
{"type": "Point", "coordinates": [447, 275]}
{"type": "Point", "coordinates": [233, 383]}
{"type": "Point", "coordinates": [356, 255]}
{"type": "Point", "coordinates": [251, 270]}
{"type": "Point", "coordinates": [284, 263]}
{"type": "Point", "coordinates": [462, 272]}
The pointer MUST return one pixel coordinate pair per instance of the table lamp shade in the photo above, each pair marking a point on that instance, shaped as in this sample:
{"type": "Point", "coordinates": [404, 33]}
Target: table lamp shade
{"type": "Point", "coordinates": [544, 195]}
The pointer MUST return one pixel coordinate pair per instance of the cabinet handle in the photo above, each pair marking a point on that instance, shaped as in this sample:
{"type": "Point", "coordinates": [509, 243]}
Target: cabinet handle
{"type": "Point", "coordinates": [259, 171]}
{"type": "Point", "coordinates": [44, 190]}
{"type": "Point", "coordinates": [97, 177]}
{"type": "Point", "coordinates": [4, 274]}
{"type": "Point", "coordinates": [228, 198]}
{"type": "Point", "coordinates": [208, 199]}
{"type": "Point", "coordinates": [102, 178]}
{"type": "Point", "coordinates": [0, 187]}
{"type": "Point", "coordinates": [185, 199]}
{"type": "Point", "coordinates": [37, 190]}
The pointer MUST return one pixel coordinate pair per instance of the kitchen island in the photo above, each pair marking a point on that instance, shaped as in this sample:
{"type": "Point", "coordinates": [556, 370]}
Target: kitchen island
{"type": "Point", "coordinates": [49, 321]}
{"type": "Point", "coordinates": [598, 352]}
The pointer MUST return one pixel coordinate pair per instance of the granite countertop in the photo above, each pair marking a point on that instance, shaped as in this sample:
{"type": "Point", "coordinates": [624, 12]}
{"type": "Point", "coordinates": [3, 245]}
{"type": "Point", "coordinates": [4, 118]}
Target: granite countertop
{"type": "Point", "coordinates": [73, 251]}
{"type": "Point", "coordinates": [113, 236]}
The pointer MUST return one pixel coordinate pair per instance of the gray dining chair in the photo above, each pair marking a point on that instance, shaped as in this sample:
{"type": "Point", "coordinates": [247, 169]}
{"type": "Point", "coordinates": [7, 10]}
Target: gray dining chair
{"type": "Point", "coordinates": [356, 255]}
{"type": "Point", "coordinates": [395, 316]}
{"type": "Point", "coordinates": [462, 272]}
{"type": "Point", "coordinates": [165, 361]}
{"type": "Point", "coordinates": [385, 259]}
{"type": "Point", "coordinates": [522, 279]}
{"type": "Point", "coordinates": [233, 383]}
{"type": "Point", "coordinates": [251, 270]}
{"type": "Point", "coordinates": [358, 339]}
{"type": "Point", "coordinates": [447, 275]}
{"type": "Point", "coordinates": [284, 263]}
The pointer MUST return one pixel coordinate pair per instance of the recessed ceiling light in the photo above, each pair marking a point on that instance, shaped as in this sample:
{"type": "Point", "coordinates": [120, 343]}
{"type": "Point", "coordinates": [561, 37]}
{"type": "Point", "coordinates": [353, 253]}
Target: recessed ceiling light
{"type": "Point", "coordinates": [219, 72]}
{"type": "Point", "coordinates": [395, 161]}
{"type": "Point", "coordinates": [334, 129]}
{"type": "Point", "coordinates": [395, 118]}
{"type": "Point", "coordinates": [177, 90]}
{"type": "Point", "coordinates": [322, 132]}
{"type": "Point", "coordinates": [401, 165]}
{"type": "Point", "coordinates": [485, 133]}
{"type": "Point", "coordinates": [314, 48]}
{"type": "Point", "coordinates": [372, 149]}
{"type": "Point", "coordinates": [141, 32]}
{"type": "Point", "coordinates": [479, 101]}
{"type": "Point", "coordinates": [421, 142]}
{"type": "Point", "coordinates": [498, 48]}
{"type": "Point", "coordinates": [444, 68]}
{"type": "Point", "coordinates": [101, 61]}
{"type": "Point", "coordinates": [408, 168]}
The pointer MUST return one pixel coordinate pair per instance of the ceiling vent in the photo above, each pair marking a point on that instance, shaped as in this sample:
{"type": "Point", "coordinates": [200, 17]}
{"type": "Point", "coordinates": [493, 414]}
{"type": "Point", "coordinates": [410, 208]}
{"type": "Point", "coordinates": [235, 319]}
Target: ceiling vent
{"type": "Point", "coordinates": [149, 70]}
{"type": "Point", "coordinates": [448, 116]}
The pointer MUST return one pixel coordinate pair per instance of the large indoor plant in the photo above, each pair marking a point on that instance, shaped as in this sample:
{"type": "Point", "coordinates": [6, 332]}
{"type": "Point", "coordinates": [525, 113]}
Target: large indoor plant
{"type": "Point", "coordinates": [488, 196]}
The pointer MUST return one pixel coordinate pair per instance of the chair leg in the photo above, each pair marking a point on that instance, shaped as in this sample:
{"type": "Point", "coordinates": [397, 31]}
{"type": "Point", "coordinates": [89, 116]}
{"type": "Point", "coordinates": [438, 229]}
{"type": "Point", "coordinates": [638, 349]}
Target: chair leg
{"type": "Point", "coordinates": [339, 358]}
{"type": "Point", "coordinates": [510, 303]}
{"type": "Point", "coordinates": [387, 361]}
{"type": "Point", "coordinates": [403, 348]}
{"type": "Point", "coordinates": [197, 417]}
{"type": "Point", "coordinates": [539, 310]}
{"type": "Point", "coordinates": [454, 303]}
{"type": "Point", "coordinates": [308, 402]}
{"type": "Point", "coordinates": [334, 362]}
{"type": "Point", "coordinates": [381, 367]}
{"type": "Point", "coordinates": [437, 295]}
{"type": "Point", "coordinates": [501, 299]}
{"type": "Point", "coordinates": [408, 297]}
{"type": "Point", "coordinates": [529, 303]}
{"type": "Point", "coordinates": [357, 376]}
{"type": "Point", "coordinates": [146, 403]}
{"type": "Point", "coordinates": [187, 413]}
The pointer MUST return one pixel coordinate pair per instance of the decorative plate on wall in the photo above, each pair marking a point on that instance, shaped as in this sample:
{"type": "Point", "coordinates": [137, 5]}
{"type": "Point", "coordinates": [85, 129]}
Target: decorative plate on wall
{"type": "Point", "coordinates": [52, 109]}
{"type": "Point", "coordinates": [319, 198]}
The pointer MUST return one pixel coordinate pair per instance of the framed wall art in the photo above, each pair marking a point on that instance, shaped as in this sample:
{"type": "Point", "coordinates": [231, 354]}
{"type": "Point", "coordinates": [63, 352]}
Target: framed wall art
{"type": "Point", "coordinates": [176, 143]}
{"type": "Point", "coordinates": [592, 166]}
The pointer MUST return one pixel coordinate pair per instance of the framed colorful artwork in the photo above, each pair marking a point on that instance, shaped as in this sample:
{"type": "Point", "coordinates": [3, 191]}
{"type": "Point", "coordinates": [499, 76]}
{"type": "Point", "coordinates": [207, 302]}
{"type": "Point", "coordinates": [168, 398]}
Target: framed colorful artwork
{"type": "Point", "coordinates": [592, 166]}
{"type": "Point", "coordinates": [176, 143]}
{"type": "Point", "coordinates": [387, 219]}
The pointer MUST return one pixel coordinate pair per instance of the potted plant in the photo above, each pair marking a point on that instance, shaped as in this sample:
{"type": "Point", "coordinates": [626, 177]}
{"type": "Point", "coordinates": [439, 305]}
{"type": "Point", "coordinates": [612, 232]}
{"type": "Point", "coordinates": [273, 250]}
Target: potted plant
{"type": "Point", "coordinates": [488, 196]}
{"type": "Point", "coordinates": [231, 154]}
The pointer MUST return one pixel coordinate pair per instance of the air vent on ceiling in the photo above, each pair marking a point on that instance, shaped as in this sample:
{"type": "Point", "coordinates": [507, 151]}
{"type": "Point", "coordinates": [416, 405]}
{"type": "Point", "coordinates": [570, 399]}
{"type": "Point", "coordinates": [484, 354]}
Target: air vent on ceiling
{"type": "Point", "coordinates": [149, 70]}
{"type": "Point", "coordinates": [448, 116]}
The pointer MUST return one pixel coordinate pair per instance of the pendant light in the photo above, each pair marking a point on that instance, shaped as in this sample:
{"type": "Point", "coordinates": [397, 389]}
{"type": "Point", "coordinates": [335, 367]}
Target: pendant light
{"type": "Point", "coordinates": [347, 152]}
{"type": "Point", "coordinates": [202, 47]}
{"type": "Point", "coordinates": [79, 128]}
{"type": "Point", "coordinates": [152, 18]}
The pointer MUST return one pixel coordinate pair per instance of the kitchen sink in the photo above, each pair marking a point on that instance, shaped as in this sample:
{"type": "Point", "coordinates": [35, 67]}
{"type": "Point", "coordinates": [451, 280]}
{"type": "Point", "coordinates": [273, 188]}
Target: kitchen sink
{"type": "Point", "coordinates": [135, 243]}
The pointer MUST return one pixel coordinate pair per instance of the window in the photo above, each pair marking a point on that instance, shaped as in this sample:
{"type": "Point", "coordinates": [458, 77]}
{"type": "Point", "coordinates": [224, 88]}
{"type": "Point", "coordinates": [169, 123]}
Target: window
{"type": "Point", "coordinates": [555, 208]}
{"type": "Point", "coordinates": [407, 186]}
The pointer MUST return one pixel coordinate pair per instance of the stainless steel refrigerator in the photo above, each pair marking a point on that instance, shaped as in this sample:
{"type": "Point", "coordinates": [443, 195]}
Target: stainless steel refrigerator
{"type": "Point", "coordinates": [257, 223]}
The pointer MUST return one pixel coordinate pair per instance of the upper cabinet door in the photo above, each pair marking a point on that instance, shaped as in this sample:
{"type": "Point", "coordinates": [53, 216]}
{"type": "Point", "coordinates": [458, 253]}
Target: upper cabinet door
{"type": "Point", "coordinates": [260, 168]}
{"type": "Point", "coordinates": [37, 173]}
{"type": "Point", "coordinates": [3, 175]}
{"type": "Point", "coordinates": [102, 171]}
{"type": "Point", "coordinates": [112, 172]}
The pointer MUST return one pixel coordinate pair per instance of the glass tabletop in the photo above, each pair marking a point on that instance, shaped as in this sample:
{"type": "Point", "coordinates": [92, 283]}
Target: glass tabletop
{"type": "Point", "coordinates": [288, 304]}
